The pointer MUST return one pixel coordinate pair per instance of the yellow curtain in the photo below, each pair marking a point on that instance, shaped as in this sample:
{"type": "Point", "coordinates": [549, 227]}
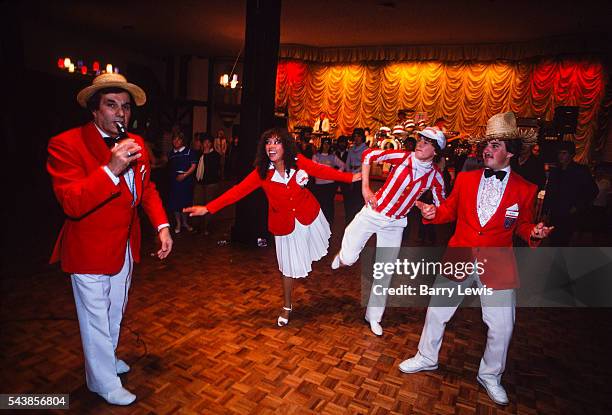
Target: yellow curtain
{"type": "Point", "coordinates": [465, 93]}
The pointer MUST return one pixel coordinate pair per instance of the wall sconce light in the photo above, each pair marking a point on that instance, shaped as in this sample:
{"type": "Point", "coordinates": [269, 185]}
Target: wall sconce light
{"type": "Point", "coordinates": [231, 80]}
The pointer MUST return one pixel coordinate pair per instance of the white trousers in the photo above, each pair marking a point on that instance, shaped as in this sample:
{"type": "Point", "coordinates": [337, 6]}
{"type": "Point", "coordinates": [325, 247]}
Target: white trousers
{"type": "Point", "coordinates": [389, 233]}
{"type": "Point", "coordinates": [100, 303]}
{"type": "Point", "coordinates": [497, 313]}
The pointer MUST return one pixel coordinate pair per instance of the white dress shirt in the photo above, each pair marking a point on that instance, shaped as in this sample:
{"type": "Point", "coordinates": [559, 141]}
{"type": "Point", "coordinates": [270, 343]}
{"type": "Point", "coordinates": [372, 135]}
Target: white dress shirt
{"type": "Point", "coordinates": [128, 176]}
{"type": "Point", "coordinates": [490, 192]}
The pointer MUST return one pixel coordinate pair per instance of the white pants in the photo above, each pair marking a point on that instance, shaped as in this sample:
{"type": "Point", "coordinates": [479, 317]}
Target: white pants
{"type": "Point", "coordinates": [497, 313]}
{"type": "Point", "coordinates": [100, 303]}
{"type": "Point", "coordinates": [388, 235]}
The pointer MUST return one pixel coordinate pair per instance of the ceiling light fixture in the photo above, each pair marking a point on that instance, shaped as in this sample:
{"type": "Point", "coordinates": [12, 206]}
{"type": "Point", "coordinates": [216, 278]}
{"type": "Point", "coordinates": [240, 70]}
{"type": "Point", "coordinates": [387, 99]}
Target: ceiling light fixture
{"type": "Point", "coordinates": [81, 68]}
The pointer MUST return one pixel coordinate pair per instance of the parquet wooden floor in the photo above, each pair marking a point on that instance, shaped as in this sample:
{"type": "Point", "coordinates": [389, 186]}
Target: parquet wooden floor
{"type": "Point", "coordinates": [200, 336]}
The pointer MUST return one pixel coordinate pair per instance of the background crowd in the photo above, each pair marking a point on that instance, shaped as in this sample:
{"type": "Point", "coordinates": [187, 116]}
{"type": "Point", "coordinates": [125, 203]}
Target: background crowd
{"type": "Point", "coordinates": [573, 197]}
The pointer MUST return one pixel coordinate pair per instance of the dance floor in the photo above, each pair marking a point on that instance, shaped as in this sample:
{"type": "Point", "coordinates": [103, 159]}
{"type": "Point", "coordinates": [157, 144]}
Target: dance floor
{"type": "Point", "coordinates": [200, 335]}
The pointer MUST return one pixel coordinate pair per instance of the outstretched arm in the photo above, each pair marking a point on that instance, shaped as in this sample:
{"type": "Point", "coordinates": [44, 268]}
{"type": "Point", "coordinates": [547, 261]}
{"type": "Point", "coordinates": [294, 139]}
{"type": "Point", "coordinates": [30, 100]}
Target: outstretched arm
{"type": "Point", "coordinates": [250, 183]}
{"type": "Point", "coordinates": [322, 171]}
{"type": "Point", "coordinates": [394, 157]}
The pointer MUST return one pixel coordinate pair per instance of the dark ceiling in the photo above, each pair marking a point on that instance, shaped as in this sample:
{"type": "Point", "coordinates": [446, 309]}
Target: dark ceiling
{"type": "Point", "coordinates": [216, 27]}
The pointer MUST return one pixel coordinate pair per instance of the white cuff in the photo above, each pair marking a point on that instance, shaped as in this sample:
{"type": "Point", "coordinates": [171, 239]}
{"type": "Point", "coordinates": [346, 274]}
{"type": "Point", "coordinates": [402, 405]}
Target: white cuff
{"type": "Point", "coordinates": [112, 176]}
{"type": "Point", "coordinates": [162, 226]}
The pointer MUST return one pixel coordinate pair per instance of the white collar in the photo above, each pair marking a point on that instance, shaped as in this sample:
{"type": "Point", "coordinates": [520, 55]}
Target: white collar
{"type": "Point", "coordinates": [418, 164]}
{"type": "Point", "coordinates": [507, 169]}
{"type": "Point", "coordinates": [179, 150]}
{"type": "Point", "coordinates": [277, 177]}
{"type": "Point", "coordinates": [102, 133]}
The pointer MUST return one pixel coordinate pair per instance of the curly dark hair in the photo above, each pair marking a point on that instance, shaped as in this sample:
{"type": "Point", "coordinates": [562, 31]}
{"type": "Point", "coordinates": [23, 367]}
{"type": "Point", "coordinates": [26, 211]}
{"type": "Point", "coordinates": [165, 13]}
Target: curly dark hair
{"type": "Point", "coordinates": [262, 161]}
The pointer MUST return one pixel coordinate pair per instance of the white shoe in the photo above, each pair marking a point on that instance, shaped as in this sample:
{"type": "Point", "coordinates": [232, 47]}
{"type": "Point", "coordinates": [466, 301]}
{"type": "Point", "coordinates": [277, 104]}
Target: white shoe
{"type": "Point", "coordinates": [282, 321]}
{"type": "Point", "coordinates": [121, 367]}
{"type": "Point", "coordinates": [177, 229]}
{"type": "Point", "coordinates": [336, 262]}
{"type": "Point", "coordinates": [119, 396]}
{"type": "Point", "coordinates": [375, 326]}
{"type": "Point", "coordinates": [416, 364]}
{"type": "Point", "coordinates": [496, 392]}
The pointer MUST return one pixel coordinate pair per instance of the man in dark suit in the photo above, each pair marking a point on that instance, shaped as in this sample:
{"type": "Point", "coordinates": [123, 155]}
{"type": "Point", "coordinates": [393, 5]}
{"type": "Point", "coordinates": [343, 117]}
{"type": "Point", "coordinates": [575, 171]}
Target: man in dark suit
{"type": "Point", "coordinates": [570, 191]}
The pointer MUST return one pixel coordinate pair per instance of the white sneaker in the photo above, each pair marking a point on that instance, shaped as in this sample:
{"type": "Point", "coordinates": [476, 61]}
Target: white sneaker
{"type": "Point", "coordinates": [496, 392]}
{"type": "Point", "coordinates": [375, 326]}
{"type": "Point", "coordinates": [119, 396]}
{"type": "Point", "coordinates": [121, 367]}
{"type": "Point", "coordinates": [416, 364]}
{"type": "Point", "coordinates": [336, 262]}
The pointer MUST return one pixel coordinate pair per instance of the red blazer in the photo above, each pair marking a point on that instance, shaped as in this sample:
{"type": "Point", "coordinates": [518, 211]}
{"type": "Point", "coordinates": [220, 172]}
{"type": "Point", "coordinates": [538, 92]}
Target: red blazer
{"type": "Point", "coordinates": [500, 268]}
{"type": "Point", "coordinates": [100, 216]}
{"type": "Point", "coordinates": [286, 203]}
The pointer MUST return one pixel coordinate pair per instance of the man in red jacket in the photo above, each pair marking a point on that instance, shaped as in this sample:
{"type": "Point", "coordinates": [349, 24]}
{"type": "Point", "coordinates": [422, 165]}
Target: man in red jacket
{"type": "Point", "coordinates": [489, 205]}
{"type": "Point", "coordinates": [100, 175]}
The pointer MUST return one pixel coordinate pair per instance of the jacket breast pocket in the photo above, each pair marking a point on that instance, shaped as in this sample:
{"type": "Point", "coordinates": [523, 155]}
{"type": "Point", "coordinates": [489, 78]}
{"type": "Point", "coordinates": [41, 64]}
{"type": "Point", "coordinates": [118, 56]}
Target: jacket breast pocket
{"type": "Point", "coordinates": [511, 216]}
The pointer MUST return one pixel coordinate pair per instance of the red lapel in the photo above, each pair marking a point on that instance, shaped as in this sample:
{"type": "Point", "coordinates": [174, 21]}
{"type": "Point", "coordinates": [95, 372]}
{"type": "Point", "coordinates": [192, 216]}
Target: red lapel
{"type": "Point", "coordinates": [504, 201]}
{"type": "Point", "coordinates": [271, 174]}
{"type": "Point", "coordinates": [95, 144]}
{"type": "Point", "coordinates": [97, 147]}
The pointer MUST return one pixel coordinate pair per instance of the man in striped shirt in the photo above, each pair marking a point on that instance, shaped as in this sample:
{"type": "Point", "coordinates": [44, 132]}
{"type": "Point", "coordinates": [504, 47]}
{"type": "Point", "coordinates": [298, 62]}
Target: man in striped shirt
{"type": "Point", "coordinates": [385, 212]}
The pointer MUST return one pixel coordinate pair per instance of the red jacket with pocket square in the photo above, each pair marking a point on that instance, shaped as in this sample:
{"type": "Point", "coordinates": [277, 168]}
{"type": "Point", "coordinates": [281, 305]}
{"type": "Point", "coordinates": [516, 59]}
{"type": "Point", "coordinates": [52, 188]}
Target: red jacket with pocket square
{"type": "Point", "coordinates": [493, 241]}
{"type": "Point", "coordinates": [101, 217]}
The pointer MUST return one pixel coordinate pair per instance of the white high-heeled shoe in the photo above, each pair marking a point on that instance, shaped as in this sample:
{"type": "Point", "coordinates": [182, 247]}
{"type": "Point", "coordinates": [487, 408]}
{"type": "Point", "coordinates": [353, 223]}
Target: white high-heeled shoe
{"type": "Point", "coordinates": [282, 321]}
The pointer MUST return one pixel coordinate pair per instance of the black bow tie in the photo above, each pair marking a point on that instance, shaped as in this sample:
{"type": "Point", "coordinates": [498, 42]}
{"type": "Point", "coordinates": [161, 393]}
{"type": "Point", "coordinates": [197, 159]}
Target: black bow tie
{"type": "Point", "coordinates": [500, 174]}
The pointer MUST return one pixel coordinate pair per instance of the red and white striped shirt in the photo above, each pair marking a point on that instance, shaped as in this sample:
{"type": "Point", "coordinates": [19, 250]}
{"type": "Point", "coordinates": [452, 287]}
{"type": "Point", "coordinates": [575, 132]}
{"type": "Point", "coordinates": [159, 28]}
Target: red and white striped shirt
{"type": "Point", "coordinates": [408, 180]}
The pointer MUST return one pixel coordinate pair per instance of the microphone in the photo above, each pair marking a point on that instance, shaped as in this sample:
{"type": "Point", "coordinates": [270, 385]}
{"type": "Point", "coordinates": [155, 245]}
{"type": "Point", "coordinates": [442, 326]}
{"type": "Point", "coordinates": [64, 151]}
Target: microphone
{"type": "Point", "coordinates": [122, 130]}
{"type": "Point", "coordinates": [123, 135]}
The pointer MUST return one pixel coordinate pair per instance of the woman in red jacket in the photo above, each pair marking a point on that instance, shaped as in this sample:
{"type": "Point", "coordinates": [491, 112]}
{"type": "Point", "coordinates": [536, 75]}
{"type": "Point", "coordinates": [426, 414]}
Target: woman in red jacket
{"type": "Point", "coordinates": [295, 219]}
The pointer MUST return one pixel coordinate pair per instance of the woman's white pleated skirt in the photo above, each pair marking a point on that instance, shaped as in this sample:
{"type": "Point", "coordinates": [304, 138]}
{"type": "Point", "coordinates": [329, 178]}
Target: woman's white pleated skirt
{"type": "Point", "coordinates": [307, 243]}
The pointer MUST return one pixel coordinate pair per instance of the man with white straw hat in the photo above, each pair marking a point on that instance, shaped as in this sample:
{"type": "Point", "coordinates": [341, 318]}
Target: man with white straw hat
{"type": "Point", "coordinates": [489, 205]}
{"type": "Point", "coordinates": [100, 176]}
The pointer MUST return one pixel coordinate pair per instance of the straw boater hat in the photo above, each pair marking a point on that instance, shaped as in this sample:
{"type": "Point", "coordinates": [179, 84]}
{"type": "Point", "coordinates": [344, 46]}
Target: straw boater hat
{"type": "Point", "coordinates": [112, 80]}
{"type": "Point", "coordinates": [503, 127]}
